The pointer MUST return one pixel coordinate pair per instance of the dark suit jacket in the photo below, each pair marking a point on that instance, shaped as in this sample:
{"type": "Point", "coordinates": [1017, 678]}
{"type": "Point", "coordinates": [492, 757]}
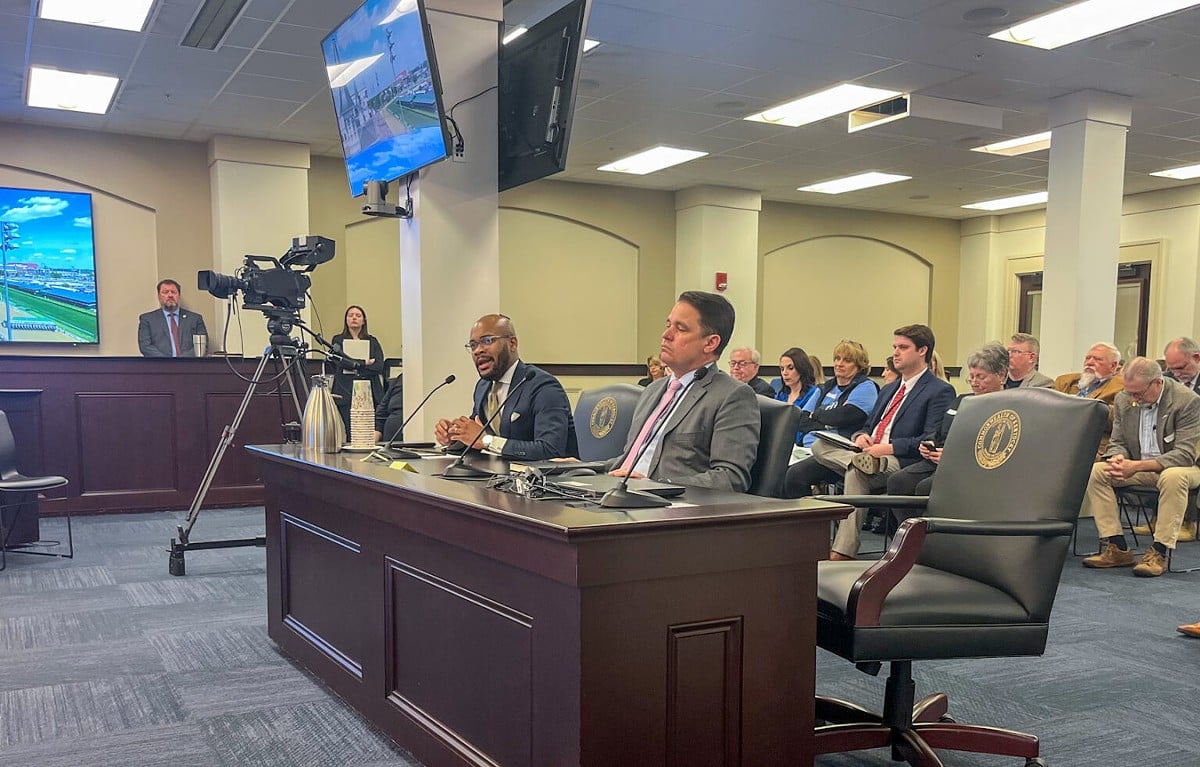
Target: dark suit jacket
{"type": "Point", "coordinates": [711, 439]}
{"type": "Point", "coordinates": [536, 418]}
{"type": "Point", "coordinates": [154, 337]}
{"type": "Point", "coordinates": [917, 419]}
{"type": "Point", "coordinates": [762, 387]}
{"type": "Point", "coordinates": [1195, 387]}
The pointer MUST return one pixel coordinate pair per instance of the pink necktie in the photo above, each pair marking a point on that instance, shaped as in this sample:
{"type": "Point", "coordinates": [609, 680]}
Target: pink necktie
{"type": "Point", "coordinates": [893, 406]}
{"type": "Point", "coordinates": [659, 413]}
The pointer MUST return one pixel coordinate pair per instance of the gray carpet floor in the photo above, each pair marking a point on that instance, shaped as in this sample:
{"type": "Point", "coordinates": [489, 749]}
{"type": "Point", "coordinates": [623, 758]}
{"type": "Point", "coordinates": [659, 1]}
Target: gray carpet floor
{"type": "Point", "coordinates": [108, 660]}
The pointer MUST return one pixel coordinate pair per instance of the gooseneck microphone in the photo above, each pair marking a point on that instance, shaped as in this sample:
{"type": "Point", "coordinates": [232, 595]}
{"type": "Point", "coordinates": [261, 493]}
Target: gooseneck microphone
{"type": "Point", "coordinates": [460, 470]}
{"type": "Point", "coordinates": [621, 497]}
{"type": "Point", "coordinates": [386, 452]}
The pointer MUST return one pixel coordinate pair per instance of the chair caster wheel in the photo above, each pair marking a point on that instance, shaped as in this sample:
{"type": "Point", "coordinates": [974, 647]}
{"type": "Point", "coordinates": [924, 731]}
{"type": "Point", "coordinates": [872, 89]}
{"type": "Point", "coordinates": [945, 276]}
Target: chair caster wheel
{"type": "Point", "coordinates": [1036, 761]}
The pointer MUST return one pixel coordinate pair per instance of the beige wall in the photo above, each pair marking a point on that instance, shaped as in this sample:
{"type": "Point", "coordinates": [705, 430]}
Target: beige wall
{"type": "Point", "coordinates": [151, 213]}
{"type": "Point", "coordinates": [643, 219]}
{"type": "Point", "coordinates": [920, 248]}
{"type": "Point", "coordinates": [1160, 227]}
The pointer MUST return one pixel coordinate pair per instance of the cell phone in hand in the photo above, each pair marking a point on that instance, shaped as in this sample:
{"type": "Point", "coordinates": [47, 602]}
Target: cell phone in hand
{"type": "Point", "coordinates": [929, 444]}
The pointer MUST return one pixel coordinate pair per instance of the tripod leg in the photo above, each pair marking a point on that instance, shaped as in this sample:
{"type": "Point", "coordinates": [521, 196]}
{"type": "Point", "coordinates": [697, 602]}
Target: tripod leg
{"type": "Point", "coordinates": [226, 440]}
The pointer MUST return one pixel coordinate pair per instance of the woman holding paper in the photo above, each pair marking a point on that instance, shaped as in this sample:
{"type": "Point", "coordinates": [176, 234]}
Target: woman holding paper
{"type": "Point", "coordinates": [365, 361]}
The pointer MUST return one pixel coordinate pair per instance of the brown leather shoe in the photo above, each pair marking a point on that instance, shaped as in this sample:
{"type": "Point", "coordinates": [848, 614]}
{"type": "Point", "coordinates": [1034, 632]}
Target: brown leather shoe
{"type": "Point", "coordinates": [1152, 565]}
{"type": "Point", "coordinates": [837, 556]}
{"type": "Point", "coordinates": [1187, 532]}
{"type": "Point", "coordinates": [1191, 629]}
{"type": "Point", "coordinates": [1111, 556]}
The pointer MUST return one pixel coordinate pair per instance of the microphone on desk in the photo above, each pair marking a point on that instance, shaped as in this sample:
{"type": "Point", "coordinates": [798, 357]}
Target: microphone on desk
{"type": "Point", "coordinates": [386, 452]}
{"type": "Point", "coordinates": [621, 497]}
{"type": "Point", "coordinates": [460, 470]}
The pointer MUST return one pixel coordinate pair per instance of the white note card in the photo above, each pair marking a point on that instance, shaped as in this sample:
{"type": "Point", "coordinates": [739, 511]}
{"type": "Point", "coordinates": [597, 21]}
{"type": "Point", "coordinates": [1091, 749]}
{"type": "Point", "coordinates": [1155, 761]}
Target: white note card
{"type": "Point", "coordinates": [357, 348]}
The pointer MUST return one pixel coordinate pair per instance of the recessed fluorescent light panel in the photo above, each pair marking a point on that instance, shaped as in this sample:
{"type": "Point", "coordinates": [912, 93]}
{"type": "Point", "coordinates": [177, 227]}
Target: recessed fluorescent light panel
{"type": "Point", "coordinates": [514, 33]}
{"type": "Point", "coordinates": [73, 91]}
{"type": "Point", "coordinates": [817, 106]}
{"type": "Point", "coordinates": [1186, 172]}
{"type": "Point", "coordinates": [114, 14]}
{"type": "Point", "coordinates": [854, 183]}
{"type": "Point", "coordinates": [1089, 18]}
{"type": "Point", "coordinates": [340, 74]}
{"type": "Point", "coordinates": [1015, 146]}
{"type": "Point", "coordinates": [652, 160]}
{"type": "Point", "coordinates": [1004, 203]}
{"type": "Point", "coordinates": [589, 44]}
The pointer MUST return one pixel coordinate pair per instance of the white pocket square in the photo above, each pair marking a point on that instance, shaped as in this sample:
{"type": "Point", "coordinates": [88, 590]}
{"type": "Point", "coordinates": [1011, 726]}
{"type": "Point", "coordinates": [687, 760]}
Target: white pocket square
{"type": "Point", "coordinates": [514, 417]}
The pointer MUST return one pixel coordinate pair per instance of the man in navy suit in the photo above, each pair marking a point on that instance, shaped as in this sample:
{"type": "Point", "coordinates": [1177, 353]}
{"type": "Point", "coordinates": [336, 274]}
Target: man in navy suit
{"type": "Point", "coordinates": [155, 335]}
{"type": "Point", "coordinates": [907, 411]}
{"type": "Point", "coordinates": [534, 421]}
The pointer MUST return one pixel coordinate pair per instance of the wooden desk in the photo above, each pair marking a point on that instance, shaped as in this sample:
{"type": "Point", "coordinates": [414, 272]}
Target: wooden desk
{"type": "Point", "coordinates": [131, 433]}
{"type": "Point", "coordinates": [476, 627]}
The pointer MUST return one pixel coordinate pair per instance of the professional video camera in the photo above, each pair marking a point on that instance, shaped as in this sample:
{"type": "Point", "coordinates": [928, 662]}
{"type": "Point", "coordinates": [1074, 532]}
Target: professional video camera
{"type": "Point", "coordinates": [281, 287]}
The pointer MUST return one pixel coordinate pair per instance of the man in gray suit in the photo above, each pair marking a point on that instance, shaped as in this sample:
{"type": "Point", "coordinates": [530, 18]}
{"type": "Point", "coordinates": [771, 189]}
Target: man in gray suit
{"type": "Point", "coordinates": [1156, 427]}
{"type": "Point", "coordinates": [156, 335]}
{"type": "Point", "coordinates": [1023, 351]}
{"type": "Point", "coordinates": [697, 427]}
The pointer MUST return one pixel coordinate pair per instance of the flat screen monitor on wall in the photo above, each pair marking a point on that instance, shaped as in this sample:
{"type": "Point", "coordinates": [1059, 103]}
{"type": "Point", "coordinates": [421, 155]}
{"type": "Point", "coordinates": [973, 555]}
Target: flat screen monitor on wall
{"type": "Point", "coordinates": [47, 268]}
{"type": "Point", "coordinates": [539, 76]}
{"type": "Point", "coordinates": [386, 91]}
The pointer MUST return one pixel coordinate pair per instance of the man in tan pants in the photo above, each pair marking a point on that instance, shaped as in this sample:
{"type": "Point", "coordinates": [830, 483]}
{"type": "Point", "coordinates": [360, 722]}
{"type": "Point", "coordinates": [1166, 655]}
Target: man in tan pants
{"type": "Point", "coordinates": [1156, 427]}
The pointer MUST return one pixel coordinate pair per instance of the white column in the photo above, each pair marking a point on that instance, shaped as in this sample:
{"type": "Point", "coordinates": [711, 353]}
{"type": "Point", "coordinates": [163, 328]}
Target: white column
{"type": "Point", "coordinates": [259, 203]}
{"type": "Point", "coordinates": [716, 230]}
{"type": "Point", "coordinates": [450, 249]}
{"type": "Point", "coordinates": [1083, 225]}
{"type": "Point", "coordinates": [980, 285]}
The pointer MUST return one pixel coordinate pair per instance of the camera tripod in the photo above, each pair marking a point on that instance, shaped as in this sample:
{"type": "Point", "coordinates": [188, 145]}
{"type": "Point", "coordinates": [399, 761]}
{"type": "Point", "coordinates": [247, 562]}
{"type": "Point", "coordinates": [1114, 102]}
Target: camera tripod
{"type": "Point", "coordinates": [283, 347]}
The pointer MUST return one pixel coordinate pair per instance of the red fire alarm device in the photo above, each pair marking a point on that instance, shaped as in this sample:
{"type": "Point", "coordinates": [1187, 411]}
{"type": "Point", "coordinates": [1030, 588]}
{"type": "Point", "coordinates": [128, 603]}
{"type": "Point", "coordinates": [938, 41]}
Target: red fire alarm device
{"type": "Point", "coordinates": [722, 281]}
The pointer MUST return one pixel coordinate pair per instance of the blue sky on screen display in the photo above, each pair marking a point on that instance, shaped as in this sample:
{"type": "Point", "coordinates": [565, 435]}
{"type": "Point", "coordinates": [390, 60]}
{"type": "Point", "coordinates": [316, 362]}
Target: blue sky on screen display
{"type": "Point", "coordinates": [55, 227]}
{"type": "Point", "coordinates": [387, 114]}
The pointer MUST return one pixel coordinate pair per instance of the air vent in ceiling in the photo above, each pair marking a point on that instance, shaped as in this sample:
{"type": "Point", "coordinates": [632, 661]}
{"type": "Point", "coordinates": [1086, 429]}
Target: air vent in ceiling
{"type": "Point", "coordinates": [212, 23]}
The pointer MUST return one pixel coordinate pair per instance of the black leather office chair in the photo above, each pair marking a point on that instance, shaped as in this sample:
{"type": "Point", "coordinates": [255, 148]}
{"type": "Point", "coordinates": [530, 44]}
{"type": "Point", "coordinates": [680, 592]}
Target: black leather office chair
{"type": "Point", "coordinates": [602, 420]}
{"type": "Point", "coordinates": [18, 494]}
{"type": "Point", "coordinates": [974, 578]}
{"type": "Point", "coordinates": [779, 424]}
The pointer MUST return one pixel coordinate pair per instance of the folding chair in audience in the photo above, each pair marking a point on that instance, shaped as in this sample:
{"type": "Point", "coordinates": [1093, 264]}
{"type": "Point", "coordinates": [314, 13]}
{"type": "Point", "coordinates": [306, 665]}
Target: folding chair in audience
{"type": "Point", "coordinates": [1140, 504]}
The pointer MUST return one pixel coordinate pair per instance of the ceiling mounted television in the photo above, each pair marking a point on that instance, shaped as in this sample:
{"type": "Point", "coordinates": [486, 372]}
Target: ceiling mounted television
{"type": "Point", "coordinates": [47, 267]}
{"type": "Point", "coordinates": [539, 76]}
{"type": "Point", "coordinates": [386, 91]}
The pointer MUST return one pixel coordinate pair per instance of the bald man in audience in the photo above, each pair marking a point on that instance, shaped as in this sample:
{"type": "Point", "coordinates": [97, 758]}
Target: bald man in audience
{"type": "Point", "coordinates": [1154, 437]}
{"type": "Point", "coordinates": [1182, 356]}
{"type": "Point", "coordinates": [1023, 352]}
{"type": "Point", "coordinates": [743, 365]}
{"type": "Point", "coordinates": [1098, 380]}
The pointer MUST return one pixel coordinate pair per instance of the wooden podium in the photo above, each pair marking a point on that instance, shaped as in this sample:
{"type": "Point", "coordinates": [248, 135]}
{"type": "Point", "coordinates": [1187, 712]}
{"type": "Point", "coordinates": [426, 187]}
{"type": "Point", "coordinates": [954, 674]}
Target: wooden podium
{"type": "Point", "coordinates": [476, 627]}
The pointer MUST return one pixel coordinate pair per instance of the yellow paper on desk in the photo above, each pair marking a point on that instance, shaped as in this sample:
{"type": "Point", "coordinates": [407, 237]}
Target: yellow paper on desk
{"type": "Point", "coordinates": [402, 466]}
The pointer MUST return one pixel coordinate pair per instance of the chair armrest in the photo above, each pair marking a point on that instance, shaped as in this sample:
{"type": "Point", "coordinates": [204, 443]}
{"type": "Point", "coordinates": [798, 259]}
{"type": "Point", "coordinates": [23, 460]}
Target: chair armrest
{"type": "Point", "coordinates": [865, 602]}
{"type": "Point", "coordinates": [1042, 528]}
{"type": "Point", "coordinates": [878, 501]}
{"type": "Point", "coordinates": [872, 587]}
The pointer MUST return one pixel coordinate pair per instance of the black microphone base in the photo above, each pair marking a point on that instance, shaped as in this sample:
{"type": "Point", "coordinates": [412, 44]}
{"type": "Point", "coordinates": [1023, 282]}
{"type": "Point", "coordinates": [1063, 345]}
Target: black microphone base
{"type": "Point", "coordinates": [624, 498]}
{"type": "Point", "coordinates": [463, 471]}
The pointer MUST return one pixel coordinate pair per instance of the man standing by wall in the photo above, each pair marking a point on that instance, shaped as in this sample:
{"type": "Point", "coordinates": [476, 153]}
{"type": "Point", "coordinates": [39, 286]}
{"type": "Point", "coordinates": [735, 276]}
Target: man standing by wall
{"type": "Point", "coordinates": [168, 331]}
